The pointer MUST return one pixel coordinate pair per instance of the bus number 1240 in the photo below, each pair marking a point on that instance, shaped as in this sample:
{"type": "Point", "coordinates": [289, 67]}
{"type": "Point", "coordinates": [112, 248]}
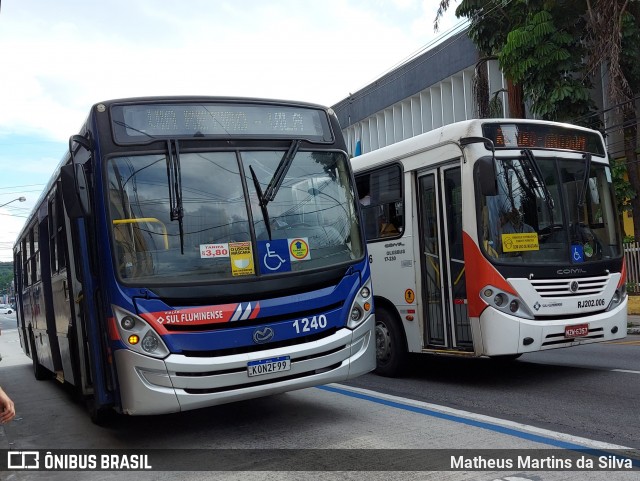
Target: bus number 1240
{"type": "Point", "coordinates": [307, 325]}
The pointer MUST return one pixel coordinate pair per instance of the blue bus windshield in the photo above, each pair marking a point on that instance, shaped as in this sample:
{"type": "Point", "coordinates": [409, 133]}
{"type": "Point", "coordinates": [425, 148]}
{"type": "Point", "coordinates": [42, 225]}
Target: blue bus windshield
{"type": "Point", "coordinates": [222, 233]}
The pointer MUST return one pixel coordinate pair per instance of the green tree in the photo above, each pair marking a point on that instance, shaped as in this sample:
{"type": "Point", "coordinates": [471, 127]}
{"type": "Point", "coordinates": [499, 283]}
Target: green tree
{"type": "Point", "coordinates": [537, 44]}
{"type": "Point", "coordinates": [489, 27]}
{"type": "Point", "coordinates": [6, 276]}
{"type": "Point", "coordinates": [614, 40]}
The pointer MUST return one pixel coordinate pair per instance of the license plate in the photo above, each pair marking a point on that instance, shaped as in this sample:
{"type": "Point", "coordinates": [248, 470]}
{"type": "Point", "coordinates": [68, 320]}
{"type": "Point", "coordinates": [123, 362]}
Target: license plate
{"type": "Point", "coordinates": [579, 330]}
{"type": "Point", "coordinates": [268, 366]}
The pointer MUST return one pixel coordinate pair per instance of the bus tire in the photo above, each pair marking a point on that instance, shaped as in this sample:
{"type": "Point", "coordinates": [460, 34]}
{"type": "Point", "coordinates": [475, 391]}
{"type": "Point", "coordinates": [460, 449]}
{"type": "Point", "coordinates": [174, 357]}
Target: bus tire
{"type": "Point", "coordinates": [40, 372]}
{"type": "Point", "coordinates": [391, 352]}
{"type": "Point", "coordinates": [100, 415]}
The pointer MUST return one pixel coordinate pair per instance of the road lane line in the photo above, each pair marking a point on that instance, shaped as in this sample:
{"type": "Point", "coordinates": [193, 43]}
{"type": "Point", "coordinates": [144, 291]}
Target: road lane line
{"type": "Point", "coordinates": [626, 370]}
{"type": "Point", "coordinates": [523, 431]}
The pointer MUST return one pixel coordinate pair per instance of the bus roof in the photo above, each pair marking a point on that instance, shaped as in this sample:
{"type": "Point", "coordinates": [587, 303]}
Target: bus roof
{"type": "Point", "coordinates": [203, 98]}
{"type": "Point", "coordinates": [447, 134]}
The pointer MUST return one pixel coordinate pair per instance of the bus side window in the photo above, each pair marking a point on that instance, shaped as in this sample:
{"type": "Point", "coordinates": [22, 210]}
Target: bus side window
{"type": "Point", "coordinates": [380, 194]}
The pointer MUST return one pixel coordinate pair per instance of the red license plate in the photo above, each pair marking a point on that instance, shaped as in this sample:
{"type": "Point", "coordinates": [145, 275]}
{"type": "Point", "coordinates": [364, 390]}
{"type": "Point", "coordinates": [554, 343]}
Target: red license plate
{"type": "Point", "coordinates": [579, 330]}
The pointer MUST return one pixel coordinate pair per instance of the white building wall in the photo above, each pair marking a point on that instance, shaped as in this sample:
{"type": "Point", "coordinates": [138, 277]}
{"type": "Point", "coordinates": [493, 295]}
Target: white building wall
{"type": "Point", "coordinates": [451, 100]}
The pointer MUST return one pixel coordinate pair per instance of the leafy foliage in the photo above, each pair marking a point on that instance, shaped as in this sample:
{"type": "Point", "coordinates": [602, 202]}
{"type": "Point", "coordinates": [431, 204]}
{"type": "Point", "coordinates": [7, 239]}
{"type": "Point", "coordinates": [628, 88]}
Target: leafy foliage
{"type": "Point", "coordinates": [538, 46]}
{"type": "Point", "coordinates": [6, 276]}
{"type": "Point", "coordinates": [624, 191]}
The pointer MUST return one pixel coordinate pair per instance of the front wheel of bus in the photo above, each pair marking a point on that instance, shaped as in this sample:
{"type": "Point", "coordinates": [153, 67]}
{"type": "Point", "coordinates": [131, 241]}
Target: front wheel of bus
{"type": "Point", "coordinates": [391, 353]}
{"type": "Point", "coordinates": [100, 415]}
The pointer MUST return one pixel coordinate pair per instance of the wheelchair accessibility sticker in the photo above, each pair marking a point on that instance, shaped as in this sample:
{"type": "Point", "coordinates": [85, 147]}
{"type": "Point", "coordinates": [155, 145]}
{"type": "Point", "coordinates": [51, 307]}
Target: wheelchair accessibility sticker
{"type": "Point", "coordinates": [276, 255]}
{"type": "Point", "coordinates": [577, 253]}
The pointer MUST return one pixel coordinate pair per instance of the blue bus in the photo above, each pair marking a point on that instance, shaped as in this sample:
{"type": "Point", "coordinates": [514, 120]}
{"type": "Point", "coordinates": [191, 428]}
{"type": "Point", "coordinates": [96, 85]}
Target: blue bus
{"type": "Point", "coordinates": [193, 251]}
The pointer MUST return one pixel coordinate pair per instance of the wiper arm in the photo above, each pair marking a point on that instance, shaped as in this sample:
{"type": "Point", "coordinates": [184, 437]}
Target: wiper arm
{"type": "Point", "coordinates": [174, 178]}
{"type": "Point", "coordinates": [540, 178]}
{"type": "Point", "coordinates": [585, 180]}
{"type": "Point", "coordinates": [280, 173]}
{"type": "Point", "coordinates": [263, 203]}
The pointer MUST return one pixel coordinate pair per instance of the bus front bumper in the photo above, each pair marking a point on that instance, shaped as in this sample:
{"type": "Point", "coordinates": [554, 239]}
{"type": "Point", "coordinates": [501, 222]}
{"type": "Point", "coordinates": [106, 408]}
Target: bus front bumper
{"type": "Point", "coordinates": [180, 383]}
{"type": "Point", "coordinates": [503, 334]}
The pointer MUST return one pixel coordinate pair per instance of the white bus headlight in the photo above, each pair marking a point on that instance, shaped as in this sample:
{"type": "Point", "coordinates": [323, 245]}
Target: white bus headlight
{"type": "Point", "coordinates": [618, 297]}
{"type": "Point", "coordinates": [505, 302]}
{"type": "Point", "coordinates": [138, 335]}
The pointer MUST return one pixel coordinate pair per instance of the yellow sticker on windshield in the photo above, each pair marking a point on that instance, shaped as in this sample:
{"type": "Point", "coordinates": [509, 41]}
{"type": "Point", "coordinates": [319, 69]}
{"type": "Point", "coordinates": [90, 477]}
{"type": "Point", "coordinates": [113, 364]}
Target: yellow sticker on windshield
{"type": "Point", "coordinates": [527, 241]}
{"type": "Point", "coordinates": [241, 258]}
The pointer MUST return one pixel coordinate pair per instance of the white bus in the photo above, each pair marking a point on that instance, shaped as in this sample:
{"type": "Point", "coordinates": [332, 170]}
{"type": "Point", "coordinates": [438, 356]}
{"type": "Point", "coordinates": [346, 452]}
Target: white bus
{"type": "Point", "coordinates": [492, 237]}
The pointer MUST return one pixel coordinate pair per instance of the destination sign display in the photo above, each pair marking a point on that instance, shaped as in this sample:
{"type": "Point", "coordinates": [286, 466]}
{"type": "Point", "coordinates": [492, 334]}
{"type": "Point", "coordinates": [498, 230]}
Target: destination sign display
{"type": "Point", "coordinates": [147, 122]}
{"type": "Point", "coordinates": [514, 135]}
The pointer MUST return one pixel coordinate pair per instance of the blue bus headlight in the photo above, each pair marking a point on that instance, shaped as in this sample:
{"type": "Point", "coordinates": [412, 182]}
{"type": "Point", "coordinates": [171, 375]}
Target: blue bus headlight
{"type": "Point", "coordinates": [361, 307]}
{"type": "Point", "coordinates": [150, 343]}
{"type": "Point", "coordinates": [128, 323]}
{"type": "Point", "coordinates": [138, 335]}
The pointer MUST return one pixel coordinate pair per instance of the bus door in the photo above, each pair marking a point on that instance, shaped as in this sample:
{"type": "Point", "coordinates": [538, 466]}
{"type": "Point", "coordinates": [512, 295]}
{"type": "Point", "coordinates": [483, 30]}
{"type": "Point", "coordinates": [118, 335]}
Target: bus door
{"type": "Point", "coordinates": [60, 288]}
{"type": "Point", "coordinates": [446, 321]}
{"type": "Point", "coordinates": [47, 342]}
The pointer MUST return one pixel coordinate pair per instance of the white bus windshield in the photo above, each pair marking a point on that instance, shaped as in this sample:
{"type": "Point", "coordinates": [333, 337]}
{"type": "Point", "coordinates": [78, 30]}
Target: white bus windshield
{"type": "Point", "coordinates": [217, 230]}
{"type": "Point", "coordinates": [577, 224]}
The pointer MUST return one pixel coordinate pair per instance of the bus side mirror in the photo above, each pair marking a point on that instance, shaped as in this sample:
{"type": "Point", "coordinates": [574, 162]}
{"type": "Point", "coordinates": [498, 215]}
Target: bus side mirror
{"type": "Point", "coordinates": [487, 177]}
{"type": "Point", "coordinates": [75, 191]}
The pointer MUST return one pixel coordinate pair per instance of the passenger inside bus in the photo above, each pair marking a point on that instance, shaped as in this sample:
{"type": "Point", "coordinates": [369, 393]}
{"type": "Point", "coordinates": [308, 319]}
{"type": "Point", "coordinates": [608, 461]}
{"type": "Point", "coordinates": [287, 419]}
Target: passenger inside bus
{"type": "Point", "coordinates": [512, 223]}
{"type": "Point", "coordinates": [387, 228]}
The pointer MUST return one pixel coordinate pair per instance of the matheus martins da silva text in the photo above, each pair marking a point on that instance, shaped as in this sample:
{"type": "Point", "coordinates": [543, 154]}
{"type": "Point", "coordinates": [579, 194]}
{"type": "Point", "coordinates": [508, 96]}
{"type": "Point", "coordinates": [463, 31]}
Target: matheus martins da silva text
{"type": "Point", "coordinates": [608, 462]}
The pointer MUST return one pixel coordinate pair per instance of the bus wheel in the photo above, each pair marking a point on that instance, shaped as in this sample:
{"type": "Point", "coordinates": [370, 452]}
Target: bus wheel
{"type": "Point", "coordinates": [100, 416]}
{"type": "Point", "coordinates": [40, 372]}
{"type": "Point", "coordinates": [391, 354]}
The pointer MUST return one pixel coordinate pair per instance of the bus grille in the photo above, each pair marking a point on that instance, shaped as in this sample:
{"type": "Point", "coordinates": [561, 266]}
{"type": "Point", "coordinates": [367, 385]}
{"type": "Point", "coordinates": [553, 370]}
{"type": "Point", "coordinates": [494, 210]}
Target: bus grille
{"type": "Point", "coordinates": [586, 286]}
{"type": "Point", "coordinates": [558, 339]}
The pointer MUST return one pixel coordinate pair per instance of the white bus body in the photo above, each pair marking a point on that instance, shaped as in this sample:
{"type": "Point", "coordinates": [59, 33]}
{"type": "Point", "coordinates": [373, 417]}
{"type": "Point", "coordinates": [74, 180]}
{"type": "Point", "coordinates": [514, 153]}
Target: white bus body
{"type": "Point", "coordinates": [451, 276]}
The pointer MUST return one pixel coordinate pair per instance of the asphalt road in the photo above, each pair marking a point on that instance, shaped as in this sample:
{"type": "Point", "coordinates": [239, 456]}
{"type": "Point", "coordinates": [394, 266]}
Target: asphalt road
{"type": "Point", "coordinates": [590, 391]}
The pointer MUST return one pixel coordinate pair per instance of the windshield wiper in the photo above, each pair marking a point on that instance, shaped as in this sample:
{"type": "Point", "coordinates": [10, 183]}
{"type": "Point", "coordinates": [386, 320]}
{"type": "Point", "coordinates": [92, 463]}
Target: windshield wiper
{"type": "Point", "coordinates": [263, 204]}
{"type": "Point", "coordinates": [585, 180]}
{"type": "Point", "coordinates": [280, 173]}
{"type": "Point", "coordinates": [533, 164]}
{"type": "Point", "coordinates": [174, 178]}
{"type": "Point", "coordinates": [275, 182]}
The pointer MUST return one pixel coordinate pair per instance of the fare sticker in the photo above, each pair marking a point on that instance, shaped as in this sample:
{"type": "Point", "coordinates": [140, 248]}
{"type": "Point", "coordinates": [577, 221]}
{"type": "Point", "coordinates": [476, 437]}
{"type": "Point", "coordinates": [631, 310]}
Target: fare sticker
{"type": "Point", "coordinates": [211, 251]}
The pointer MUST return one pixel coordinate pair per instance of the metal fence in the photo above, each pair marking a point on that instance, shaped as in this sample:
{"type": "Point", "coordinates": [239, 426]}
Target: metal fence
{"type": "Point", "coordinates": [632, 259]}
